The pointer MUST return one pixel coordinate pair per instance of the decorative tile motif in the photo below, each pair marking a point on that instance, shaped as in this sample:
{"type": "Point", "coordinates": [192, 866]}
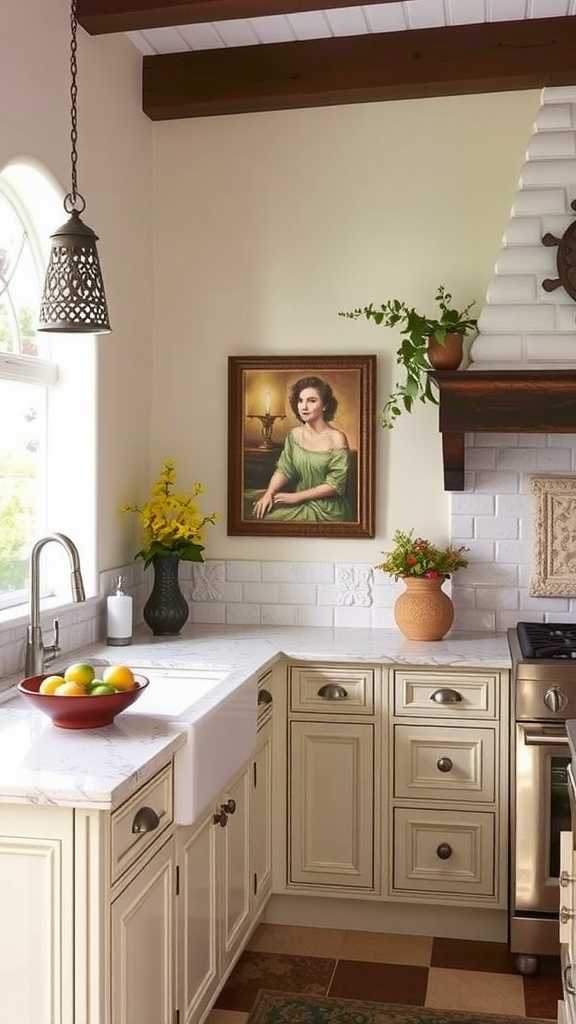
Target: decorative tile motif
{"type": "Point", "coordinates": [354, 586]}
{"type": "Point", "coordinates": [554, 537]}
{"type": "Point", "coordinates": [208, 578]}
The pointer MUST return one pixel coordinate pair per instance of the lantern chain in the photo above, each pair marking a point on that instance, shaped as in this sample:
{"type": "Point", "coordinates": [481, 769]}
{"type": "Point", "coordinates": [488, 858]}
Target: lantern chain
{"type": "Point", "coordinates": [74, 201]}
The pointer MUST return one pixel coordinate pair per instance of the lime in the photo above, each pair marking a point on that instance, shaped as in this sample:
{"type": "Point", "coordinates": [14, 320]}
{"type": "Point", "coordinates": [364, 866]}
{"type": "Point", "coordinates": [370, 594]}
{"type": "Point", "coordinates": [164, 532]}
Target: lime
{"type": "Point", "coordinates": [102, 690]}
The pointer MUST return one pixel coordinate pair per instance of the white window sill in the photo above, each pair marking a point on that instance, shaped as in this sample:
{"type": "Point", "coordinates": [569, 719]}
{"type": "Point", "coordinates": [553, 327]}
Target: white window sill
{"type": "Point", "coordinates": [19, 614]}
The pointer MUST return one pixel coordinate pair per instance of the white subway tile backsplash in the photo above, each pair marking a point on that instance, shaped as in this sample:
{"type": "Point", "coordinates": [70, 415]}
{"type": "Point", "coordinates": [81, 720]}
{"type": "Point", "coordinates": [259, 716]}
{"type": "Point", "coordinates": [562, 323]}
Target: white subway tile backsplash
{"type": "Point", "coordinates": [555, 117]}
{"type": "Point", "coordinates": [497, 597]}
{"type": "Point", "coordinates": [297, 593]}
{"type": "Point", "coordinates": [462, 527]}
{"type": "Point", "coordinates": [548, 173]}
{"type": "Point", "coordinates": [497, 528]}
{"type": "Point", "coordinates": [508, 620]}
{"type": "Point", "coordinates": [548, 145]}
{"type": "Point", "coordinates": [518, 551]}
{"type": "Point", "coordinates": [207, 611]}
{"type": "Point", "coordinates": [481, 458]}
{"type": "Point", "coordinates": [517, 458]}
{"type": "Point", "coordinates": [559, 94]}
{"type": "Point", "coordinates": [243, 571]}
{"type": "Point", "coordinates": [279, 615]}
{"type": "Point", "coordinates": [262, 593]}
{"type": "Point", "coordinates": [474, 621]}
{"type": "Point", "coordinates": [545, 604]}
{"type": "Point", "coordinates": [382, 618]}
{"type": "Point", "coordinates": [298, 572]}
{"type": "Point", "coordinates": [526, 259]}
{"type": "Point", "coordinates": [328, 594]}
{"type": "Point", "coordinates": [309, 616]}
{"type": "Point", "coordinates": [487, 574]}
{"type": "Point", "coordinates": [346, 616]}
{"type": "Point", "coordinates": [243, 614]}
{"type": "Point", "coordinates": [523, 231]}
{"type": "Point", "coordinates": [531, 440]}
{"type": "Point", "coordinates": [480, 550]}
{"type": "Point", "coordinates": [496, 482]}
{"type": "Point", "coordinates": [512, 288]}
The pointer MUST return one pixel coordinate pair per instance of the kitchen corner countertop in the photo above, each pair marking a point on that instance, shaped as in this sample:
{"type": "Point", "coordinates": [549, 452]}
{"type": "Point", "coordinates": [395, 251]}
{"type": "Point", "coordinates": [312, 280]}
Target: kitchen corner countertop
{"type": "Point", "coordinates": [100, 768]}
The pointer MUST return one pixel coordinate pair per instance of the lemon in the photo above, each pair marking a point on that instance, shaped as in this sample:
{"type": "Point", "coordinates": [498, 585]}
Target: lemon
{"type": "Point", "coordinates": [71, 689]}
{"type": "Point", "coordinates": [50, 684]}
{"type": "Point", "coordinates": [102, 690]}
{"type": "Point", "coordinates": [120, 677]}
{"type": "Point", "coordinates": [79, 673]}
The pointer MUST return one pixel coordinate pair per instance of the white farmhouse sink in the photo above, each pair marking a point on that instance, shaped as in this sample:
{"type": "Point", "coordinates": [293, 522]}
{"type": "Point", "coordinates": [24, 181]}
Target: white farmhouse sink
{"type": "Point", "coordinates": [217, 709]}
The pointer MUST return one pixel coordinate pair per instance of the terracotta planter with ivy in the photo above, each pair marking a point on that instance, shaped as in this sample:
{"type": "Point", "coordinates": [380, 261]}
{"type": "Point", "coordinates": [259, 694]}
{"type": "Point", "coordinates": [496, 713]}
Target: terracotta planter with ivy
{"type": "Point", "coordinates": [446, 356]}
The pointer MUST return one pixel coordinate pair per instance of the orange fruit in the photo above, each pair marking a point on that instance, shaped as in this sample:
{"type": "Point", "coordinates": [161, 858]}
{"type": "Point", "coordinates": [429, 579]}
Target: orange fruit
{"type": "Point", "coordinates": [79, 673]}
{"type": "Point", "coordinates": [51, 684]}
{"type": "Point", "coordinates": [120, 677]}
{"type": "Point", "coordinates": [71, 689]}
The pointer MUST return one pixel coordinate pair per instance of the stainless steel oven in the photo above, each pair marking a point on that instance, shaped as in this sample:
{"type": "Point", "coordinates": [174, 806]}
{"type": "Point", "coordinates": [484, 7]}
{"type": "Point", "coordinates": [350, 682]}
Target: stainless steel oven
{"type": "Point", "coordinates": [542, 813]}
{"type": "Point", "coordinates": [544, 697]}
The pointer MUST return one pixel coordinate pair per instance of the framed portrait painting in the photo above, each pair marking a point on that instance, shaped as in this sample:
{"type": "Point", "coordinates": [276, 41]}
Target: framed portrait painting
{"type": "Point", "coordinates": [301, 435]}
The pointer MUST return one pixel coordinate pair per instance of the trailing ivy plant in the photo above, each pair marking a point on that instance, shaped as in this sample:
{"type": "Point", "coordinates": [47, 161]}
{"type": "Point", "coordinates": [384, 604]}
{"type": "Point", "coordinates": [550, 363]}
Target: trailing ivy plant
{"type": "Point", "coordinates": [416, 330]}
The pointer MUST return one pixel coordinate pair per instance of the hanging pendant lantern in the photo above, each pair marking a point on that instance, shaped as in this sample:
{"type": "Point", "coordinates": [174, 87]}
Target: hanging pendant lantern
{"type": "Point", "coordinates": [74, 300]}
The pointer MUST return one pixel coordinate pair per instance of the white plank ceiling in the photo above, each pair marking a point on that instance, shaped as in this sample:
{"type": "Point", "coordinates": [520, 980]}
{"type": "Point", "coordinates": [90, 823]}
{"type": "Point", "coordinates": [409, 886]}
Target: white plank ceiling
{"type": "Point", "coordinates": [345, 21]}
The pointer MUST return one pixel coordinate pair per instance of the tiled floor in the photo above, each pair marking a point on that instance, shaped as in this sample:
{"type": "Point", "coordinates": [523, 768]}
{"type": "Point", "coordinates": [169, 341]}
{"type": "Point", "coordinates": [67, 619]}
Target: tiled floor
{"type": "Point", "coordinates": [446, 974]}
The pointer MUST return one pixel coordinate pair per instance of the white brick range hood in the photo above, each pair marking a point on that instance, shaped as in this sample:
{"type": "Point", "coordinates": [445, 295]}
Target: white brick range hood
{"type": "Point", "coordinates": [522, 325]}
{"type": "Point", "coordinates": [517, 407]}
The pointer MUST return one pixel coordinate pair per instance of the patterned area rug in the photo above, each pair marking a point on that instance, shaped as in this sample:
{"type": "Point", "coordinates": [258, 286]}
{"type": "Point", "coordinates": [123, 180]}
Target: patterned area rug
{"type": "Point", "coordinates": [283, 1008]}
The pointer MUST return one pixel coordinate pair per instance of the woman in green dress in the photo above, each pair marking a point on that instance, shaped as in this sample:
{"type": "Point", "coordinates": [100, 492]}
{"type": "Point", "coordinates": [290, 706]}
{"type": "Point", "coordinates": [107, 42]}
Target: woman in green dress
{"type": "Point", "coordinates": [314, 461]}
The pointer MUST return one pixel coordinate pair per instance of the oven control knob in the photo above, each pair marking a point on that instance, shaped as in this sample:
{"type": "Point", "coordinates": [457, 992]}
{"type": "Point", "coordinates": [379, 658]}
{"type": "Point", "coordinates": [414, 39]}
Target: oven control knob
{"type": "Point", "coordinates": [555, 700]}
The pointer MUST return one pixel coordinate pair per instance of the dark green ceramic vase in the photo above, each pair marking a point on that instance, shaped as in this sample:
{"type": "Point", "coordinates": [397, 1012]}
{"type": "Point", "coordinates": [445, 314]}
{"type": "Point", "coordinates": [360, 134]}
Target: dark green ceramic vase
{"type": "Point", "coordinates": [166, 610]}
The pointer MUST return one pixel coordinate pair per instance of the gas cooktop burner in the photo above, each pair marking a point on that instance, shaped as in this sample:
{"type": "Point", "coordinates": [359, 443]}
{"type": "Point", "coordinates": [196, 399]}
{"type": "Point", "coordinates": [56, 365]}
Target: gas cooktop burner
{"type": "Point", "coordinates": [552, 640]}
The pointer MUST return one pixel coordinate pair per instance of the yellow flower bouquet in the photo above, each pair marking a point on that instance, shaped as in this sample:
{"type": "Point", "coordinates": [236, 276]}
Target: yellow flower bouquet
{"type": "Point", "coordinates": [173, 523]}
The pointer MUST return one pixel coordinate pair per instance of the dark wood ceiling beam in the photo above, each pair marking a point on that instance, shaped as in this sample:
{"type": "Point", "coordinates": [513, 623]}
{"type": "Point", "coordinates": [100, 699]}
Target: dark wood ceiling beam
{"type": "Point", "coordinates": [100, 16]}
{"type": "Point", "coordinates": [360, 69]}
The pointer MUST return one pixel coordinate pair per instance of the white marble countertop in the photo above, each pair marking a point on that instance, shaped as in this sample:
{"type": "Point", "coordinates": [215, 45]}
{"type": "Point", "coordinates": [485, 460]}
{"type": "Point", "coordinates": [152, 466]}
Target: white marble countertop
{"type": "Point", "coordinates": [41, 764]}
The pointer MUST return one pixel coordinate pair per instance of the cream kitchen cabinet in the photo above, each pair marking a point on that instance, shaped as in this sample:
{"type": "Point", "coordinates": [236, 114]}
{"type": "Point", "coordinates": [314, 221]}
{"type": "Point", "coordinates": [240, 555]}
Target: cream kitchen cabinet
{"type": "Point", "coordinates": [142, 943]}
{"type": "Point", "coordinates": [396, 782]}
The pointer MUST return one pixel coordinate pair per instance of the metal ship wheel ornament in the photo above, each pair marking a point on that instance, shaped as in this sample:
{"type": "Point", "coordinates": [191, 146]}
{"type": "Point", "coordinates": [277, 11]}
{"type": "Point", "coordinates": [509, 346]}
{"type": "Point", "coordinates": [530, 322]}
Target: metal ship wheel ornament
{"type": "Point", "coordinates": [565, 259]}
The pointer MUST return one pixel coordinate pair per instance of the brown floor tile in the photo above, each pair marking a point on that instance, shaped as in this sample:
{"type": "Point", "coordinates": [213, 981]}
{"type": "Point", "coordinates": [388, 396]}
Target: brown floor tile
{"type": "Point", "coordinates": [280, 938]}
{"type": "Point", "coordinates": [381, 983]}
{"type": "Point", "coordinates": [378, 947]}
{"type": "Point", "coordinates": [475, 990]}
{"type": "Point", "coordinates": [541, 994]}
{"type": "Point", "coordinates": [271, 970]}
{"type": "Point", "coordinates": [226, 1017]}
{"type": "Point", "coordinates": [463, 955]}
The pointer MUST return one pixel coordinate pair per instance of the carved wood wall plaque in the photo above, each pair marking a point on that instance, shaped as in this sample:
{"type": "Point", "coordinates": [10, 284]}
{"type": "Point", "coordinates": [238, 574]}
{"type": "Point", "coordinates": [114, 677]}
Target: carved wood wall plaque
{"type": "Point", "coordinates": [565, 259]}
{"type": "Point", "coordinates": [554, 537]}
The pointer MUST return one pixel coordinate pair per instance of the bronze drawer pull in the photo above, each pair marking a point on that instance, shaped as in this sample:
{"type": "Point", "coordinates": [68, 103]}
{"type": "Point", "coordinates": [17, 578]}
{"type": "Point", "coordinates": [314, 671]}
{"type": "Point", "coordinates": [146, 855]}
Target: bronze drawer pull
{"type": "Point", "coordinates": [444, 851]}
{"type": "Point", "coordinates": [444, 764]}
{"type": "Point", "coordinates": [566, 879]}
{"type": "Point", "coordinates": [568, 983]}
{"type": "Point", "coordinates": [331, 691]}
{"type": "Point", "coordinates": [446, 696]}
{"type": "Point", "coordinates": [146, 820]}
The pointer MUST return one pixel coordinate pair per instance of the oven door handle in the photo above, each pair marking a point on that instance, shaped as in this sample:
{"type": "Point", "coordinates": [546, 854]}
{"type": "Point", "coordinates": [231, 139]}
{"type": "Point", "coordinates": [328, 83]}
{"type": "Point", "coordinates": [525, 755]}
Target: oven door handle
{"type": "Point", "coordinates": [537, 738]}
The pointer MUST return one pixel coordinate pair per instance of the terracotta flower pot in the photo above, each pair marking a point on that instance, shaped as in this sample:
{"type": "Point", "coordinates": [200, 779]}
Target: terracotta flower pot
{"type": "Point", "coordinates": [423, 611]}
{"type": "Point", "coordinates": [447, 356]}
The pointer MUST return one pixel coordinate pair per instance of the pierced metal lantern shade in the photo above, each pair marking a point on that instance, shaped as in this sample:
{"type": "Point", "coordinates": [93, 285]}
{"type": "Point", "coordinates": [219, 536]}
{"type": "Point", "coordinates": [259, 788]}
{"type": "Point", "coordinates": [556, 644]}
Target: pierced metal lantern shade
{"type": "Point", "coordinates": [74, 300]}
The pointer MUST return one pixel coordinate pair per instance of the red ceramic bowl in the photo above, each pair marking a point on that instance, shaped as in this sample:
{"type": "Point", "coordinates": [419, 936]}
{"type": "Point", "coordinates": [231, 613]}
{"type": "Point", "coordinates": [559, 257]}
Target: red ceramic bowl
{"type": "Point", "coordinates": [80, 712]}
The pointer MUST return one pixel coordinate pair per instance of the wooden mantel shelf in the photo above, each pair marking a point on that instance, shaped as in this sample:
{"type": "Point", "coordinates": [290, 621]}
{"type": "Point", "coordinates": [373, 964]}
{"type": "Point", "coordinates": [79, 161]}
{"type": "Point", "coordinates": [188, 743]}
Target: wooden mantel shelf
{"type": "Point", "coordinates": [503, 401]}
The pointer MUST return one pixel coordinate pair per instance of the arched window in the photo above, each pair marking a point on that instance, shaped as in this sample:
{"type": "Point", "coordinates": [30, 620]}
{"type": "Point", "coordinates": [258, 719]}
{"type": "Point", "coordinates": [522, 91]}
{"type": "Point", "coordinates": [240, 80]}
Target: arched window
{"type": "Point", "coordinates": [25, 376]}
{"type": "Point", "coordinates": [47, 404]}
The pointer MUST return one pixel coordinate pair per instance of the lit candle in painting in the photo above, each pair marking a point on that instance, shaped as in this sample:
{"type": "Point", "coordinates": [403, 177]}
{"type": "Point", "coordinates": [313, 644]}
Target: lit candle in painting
{"type": "Point", "coordinates": [267, 402]}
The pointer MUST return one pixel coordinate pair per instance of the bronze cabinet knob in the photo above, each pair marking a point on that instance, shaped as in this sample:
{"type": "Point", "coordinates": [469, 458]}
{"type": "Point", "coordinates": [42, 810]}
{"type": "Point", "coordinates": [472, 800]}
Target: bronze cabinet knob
{"type": "Point", "coordinates": [145, 820]}
{"type": "Point", "coordinates": [444, 764]}
{"type": "Point", "coordinates": [264, 696]}
{"type": "Point", "coordinates": [444, 851]}
{"type": "Point", "coordinates": [229, 807]}
{"type": "Point", "coordinates": [331, 691]}
{"type": "Point", "coordinates": [220, 818]}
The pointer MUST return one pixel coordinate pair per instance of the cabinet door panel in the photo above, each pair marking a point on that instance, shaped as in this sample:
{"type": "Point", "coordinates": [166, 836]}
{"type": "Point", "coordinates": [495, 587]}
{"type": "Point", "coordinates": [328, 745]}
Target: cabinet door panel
{"type": "Point", "coordinates": [332, 804]}
{"type": "Point", "coordinates": [262, 817]}
{"type": "Point", "coordinates": [142, 938]}
{"type": "Point", "coordinates": [37, 933]}
{"type": "Point", "coordinates": [236, 888]}
{"type": "Point", "coordinates": [198, 918]}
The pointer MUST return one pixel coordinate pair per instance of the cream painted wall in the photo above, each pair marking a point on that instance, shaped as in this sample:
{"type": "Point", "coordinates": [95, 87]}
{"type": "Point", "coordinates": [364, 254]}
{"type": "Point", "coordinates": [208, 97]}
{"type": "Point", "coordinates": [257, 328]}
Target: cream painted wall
{"type": "Point", "coordinates": [268, 224]}
{"type": "Point", "coordinates": [115, 174]}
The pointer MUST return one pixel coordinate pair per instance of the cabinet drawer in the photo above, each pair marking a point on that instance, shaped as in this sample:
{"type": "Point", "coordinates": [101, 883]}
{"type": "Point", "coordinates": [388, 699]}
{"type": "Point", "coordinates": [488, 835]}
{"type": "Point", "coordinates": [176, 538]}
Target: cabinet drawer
{"type": "Point", "coordinates": [444, 851]}
{"type": "Point", "coordinates": [152, 803]}
{"type": "Point", "coordinates": [444, 763]}
{"type": "Point", "coordinates": [446, 695]}
{"type": "Point", "coordinates": [332, 691]}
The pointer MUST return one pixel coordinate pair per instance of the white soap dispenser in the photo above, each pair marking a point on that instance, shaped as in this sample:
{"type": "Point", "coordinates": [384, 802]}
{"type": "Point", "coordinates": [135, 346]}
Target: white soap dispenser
{"type": "Point", "coordinates": [119, 617]}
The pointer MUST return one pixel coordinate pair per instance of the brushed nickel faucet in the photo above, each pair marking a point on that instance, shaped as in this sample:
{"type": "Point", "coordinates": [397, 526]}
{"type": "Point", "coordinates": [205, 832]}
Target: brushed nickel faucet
{"type": "Point", "coordinates": [37, 655]}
